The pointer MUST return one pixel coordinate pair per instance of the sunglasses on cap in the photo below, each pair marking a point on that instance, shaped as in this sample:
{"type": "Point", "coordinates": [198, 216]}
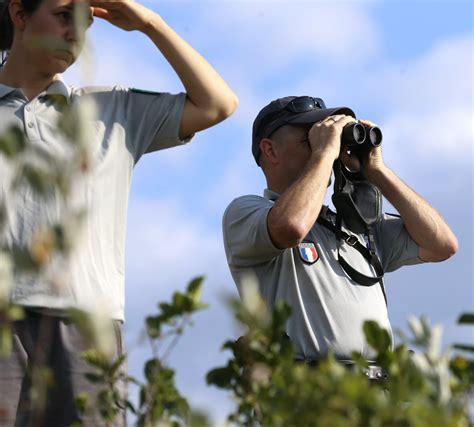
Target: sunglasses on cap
{"type": "Point", "coordinates": [298, 105]}
{"type": "Point", "coordinates": [302, 104]}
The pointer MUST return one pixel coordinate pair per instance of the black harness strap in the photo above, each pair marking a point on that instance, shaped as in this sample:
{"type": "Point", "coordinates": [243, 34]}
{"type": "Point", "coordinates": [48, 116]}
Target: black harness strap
{"type": "Point", "coordinates": [369, 254]}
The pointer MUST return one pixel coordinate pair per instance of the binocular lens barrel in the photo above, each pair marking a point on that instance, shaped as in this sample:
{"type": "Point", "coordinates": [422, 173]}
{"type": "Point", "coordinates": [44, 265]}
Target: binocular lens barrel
{"type": "Point", "coordinates": [353, 133]}
{"type": "Point", "coordinates": [360, 137]}
{"type": "Point", "coordinates": [375, 136]}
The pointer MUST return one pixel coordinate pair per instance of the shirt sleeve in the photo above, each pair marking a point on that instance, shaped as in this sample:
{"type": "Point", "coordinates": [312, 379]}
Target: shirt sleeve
{"type": "Point", "coordinates": [153, 120]}
{"type": "Point", "coordinates": [397, 248]}
{"type": "Point", "coordinates": [246, 238]}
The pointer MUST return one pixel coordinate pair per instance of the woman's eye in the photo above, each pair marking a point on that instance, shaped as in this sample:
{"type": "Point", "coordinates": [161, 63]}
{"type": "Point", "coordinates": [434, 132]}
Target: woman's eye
{"type": "Point", "coordinates": [65, 17]}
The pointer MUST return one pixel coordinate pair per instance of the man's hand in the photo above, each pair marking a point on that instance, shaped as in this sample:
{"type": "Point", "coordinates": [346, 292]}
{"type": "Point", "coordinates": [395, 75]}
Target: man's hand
{"type": "Point", "coordinates": [125, 14]}
{"type": "Point", "coordinates": [325, 136]}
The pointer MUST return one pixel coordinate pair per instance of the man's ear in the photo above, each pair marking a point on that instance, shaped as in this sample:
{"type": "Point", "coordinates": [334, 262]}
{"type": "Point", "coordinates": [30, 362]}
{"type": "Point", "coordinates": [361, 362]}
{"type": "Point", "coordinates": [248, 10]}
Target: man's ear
{"type": "Point", "coordinates": [268, 151]}
{"type": "Point", "coordinates": [17, 14]}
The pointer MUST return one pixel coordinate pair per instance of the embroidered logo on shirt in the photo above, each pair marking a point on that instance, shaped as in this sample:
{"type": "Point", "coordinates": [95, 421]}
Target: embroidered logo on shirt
{"type": "Point", "coordinates": [308, 252]}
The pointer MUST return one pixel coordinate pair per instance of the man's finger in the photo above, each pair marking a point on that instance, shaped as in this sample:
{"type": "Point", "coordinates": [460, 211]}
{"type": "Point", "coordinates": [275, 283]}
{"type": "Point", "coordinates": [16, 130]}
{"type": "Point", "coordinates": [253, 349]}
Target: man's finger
{"type": "Point", "coordinates": [367, 122]}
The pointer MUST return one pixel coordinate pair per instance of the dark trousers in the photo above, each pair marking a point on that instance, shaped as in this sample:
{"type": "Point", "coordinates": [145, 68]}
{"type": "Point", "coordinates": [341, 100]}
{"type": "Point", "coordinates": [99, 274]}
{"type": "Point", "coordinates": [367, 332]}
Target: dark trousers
{"type": "Point", "coordinates": [43, 341]}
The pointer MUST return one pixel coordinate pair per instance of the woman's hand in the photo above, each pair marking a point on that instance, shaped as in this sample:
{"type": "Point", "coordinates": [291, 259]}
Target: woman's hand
{"type": "Point", "coordinates": [125, 14]}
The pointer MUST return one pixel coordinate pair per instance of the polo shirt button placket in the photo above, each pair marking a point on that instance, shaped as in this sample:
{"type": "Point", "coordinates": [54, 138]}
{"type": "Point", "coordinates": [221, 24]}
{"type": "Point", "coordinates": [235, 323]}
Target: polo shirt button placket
{"type": "Point", "coordinates": [29, 119]}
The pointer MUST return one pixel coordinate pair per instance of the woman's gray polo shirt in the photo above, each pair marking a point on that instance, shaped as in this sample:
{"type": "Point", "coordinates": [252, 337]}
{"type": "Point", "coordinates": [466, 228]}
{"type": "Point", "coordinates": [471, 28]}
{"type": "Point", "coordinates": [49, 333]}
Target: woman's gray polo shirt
{"type": "Point", "coordinates": [128, 124]}
{"type": "Point", "coordinates": [328, 308]}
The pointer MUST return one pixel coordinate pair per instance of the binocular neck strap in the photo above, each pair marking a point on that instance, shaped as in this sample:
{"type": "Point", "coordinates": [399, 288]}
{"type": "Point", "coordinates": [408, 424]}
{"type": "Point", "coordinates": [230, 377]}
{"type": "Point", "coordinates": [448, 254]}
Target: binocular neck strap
{"type": "Point", "coordinates": [369, 254]}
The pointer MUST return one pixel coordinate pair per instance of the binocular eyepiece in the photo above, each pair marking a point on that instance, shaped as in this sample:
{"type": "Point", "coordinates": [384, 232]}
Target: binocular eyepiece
{"type": "Point", "coordinates": [358, 137]}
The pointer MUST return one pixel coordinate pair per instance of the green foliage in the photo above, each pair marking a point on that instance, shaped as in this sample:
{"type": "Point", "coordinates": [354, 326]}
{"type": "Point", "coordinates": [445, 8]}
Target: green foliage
{"type": "Point", "coordinates": [181, 306]}
{"type": "Point", "coordinates": [198, 418]}
{"type": "Point", "coordinates": [271, 389]}
{"type": "Point", "coordinates": [12, 142]}
{"type": "Point", "coordinates": [466, 318]}
{"type": "Point", "coordinates": [159, 399]}
{"type": "Point", "coordinates": [160, 403]}
{"type": "Point", "coordinates": [462, 364]}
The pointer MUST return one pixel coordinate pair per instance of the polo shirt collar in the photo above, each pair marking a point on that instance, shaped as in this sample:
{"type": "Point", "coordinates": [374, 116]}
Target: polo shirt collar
{"type": "Point", "coordinates": [270, 194]}
{"type": "Point", "coordinates": [56, 88]}
{"type": "Point", "coordinates": [5, 90]}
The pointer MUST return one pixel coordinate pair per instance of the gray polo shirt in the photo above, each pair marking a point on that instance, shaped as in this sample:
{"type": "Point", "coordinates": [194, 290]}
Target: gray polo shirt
{"type": "Point", "coordinates": [328, 308]}
{"type": "Point", "coordinates": [128, 124]}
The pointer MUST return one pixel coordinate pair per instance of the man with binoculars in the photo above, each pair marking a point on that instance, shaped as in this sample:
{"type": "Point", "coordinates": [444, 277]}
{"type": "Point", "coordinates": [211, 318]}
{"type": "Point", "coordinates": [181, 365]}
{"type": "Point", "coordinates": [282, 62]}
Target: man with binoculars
{"type": "Point", "coordinates": [293, 245]}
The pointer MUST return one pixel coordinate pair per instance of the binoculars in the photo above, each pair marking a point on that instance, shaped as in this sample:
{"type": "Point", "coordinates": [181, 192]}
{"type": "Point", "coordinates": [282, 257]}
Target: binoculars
{"type": "Point", "coordinates": [360, 138]}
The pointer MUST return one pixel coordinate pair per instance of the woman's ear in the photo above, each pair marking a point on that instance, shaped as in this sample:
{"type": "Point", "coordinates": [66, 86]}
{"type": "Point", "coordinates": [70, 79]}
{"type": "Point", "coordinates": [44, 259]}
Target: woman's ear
{"type": "Point", "coordinates": [17, 14]}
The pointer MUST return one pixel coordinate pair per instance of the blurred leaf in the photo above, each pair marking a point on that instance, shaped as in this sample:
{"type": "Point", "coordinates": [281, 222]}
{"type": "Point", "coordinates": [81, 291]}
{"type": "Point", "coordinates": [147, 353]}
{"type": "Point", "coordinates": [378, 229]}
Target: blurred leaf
{"type": "Point", "coordinates": [82, 402]}
{"type": "Point", "coordinates": [152, 369]}
{"type": "Point", "coordinates": [96, 358]}
{"type": "Point", "coordinates": [94, 378]}
{"type": "Point", "coordinates": [23, 260]}
{"type": "Point", "coordinates": [12, 142]}
{"type": "Point", "coordinates": [6, 338]}
{"type": "Point", "coordinates": [220, 377]}
{"type": "Point", "coordinates": [41, 180]}
{"type": "Point", "coordinates": [466, 318]}
{"type": "Point", "coordinates": [377, 337]}
{"type": "Point", "coordinates": [153, 325]}
{"type": "Point", "coordinates": [117, 365]}
{"type": "Point", "coordinates": [198, 418]}
{"type": "Point", "coordinates": [195, 286]}
{"type": "Point", "coordinates": [464, 347]}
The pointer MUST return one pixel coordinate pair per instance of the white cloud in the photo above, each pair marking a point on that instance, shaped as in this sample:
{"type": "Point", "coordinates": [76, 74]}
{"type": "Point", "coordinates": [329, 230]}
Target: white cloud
{"type": "Point", "coordinates": [444, 136]}
{"type": "Point", "coordinates": [263, 38]}
{"type": "Point", "coordinates": [164, 238]}
{"type": "Point", "coordinates": [441, 79]}
{"type": "Point", "coordinates": [428, 109]}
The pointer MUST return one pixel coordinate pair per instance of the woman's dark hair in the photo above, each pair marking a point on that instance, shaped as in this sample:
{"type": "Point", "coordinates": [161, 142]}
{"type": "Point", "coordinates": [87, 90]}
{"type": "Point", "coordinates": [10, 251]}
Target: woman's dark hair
{"type": "Point", "coordinates": [6, 24]}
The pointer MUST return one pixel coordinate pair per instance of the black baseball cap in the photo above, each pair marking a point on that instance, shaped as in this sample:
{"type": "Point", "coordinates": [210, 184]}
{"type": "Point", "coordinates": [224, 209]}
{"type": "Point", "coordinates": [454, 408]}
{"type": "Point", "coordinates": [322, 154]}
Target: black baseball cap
{"type": "Point", "coordinates": [290, 110]}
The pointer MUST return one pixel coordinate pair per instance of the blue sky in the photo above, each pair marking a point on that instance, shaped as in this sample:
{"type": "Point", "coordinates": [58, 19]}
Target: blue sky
{"type": "Point", "coordinates": [406, 65]}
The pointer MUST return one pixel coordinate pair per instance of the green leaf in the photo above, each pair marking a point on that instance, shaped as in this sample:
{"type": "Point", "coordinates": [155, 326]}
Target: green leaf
{"type": "Point", "coordinates": [153, 326]}
{"type": "Point", "coordinates": [198, 418]}
{"type": "Point", "coordinates": [82, 402]}
{"type": "Point", "coordinates": [220, 377]}
{"type": "Point", "coordinates": [195, 286]}
{"type": "Point", "coordinates": [40, 180]}
{"type": "Point", "coordinates": [377, 337]}
{"type": "Point", "coordinates": [130, 406]}
{"type": "Point", "coordinates": [152, 369]}
{"type": "Point", "coordinates": [12, 142]}
{"type": "Point", "coordinates": [117, 364]}
{"type": "Point", "coordinates": [96, 358]}
{"type": "Point", "coordinates": [94, 378]}
{"type": "Point", "coordinates": [464, 347]}
{"type": "Point", "coordinates": [466, 318]}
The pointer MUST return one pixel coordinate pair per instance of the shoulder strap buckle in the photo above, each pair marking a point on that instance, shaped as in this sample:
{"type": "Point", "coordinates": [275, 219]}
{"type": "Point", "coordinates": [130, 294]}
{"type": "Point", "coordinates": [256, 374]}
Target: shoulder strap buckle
{"type": "Point", "coordinates": [351, 240]}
